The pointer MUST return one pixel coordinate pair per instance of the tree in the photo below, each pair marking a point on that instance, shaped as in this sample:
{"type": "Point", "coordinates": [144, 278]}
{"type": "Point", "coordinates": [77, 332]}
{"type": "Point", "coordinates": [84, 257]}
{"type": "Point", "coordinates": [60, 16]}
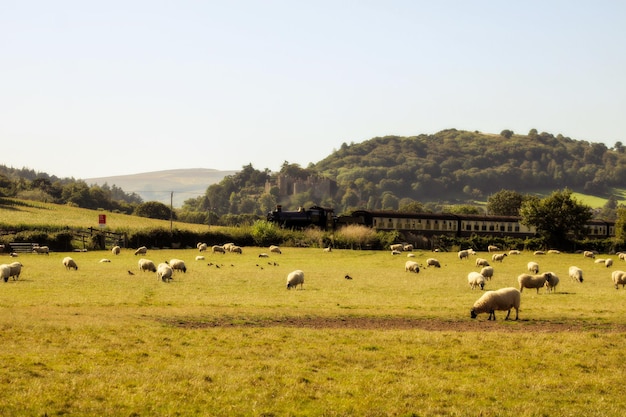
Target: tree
{"type": "Point", "coordinates": [620, 224]}
{"type": "Point", "coordinates": [556, 216]}
{"type": "Point", "coordinates": [505, 203]}
{"type": "Point", "coordinates": [506, 133]}
{"type": "Point", "coordinates": [154, 210]}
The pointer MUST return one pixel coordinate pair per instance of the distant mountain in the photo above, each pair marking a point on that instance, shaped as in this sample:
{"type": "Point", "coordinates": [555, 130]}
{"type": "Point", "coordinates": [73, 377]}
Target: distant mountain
{"type": "Point", "coordinates": [159, 185]}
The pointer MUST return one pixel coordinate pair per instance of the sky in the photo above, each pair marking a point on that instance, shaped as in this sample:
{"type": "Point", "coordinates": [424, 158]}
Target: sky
{"type": "Point", "coordinates": [92, 89]}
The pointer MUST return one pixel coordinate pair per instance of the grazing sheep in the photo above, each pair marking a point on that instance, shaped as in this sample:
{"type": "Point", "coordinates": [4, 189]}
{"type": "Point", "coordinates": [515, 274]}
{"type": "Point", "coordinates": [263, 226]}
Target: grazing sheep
{"type": "Point", "coordinates": [199, 258]}
{"type": "Point", "coordinates": [466, 253]}
{"type": "Point", "coordinates": [115, 250]}
{"type": "Point", "coordinates": [589, 254]}
{"type": "Point", "coordinates": [492, 248]}
{"type": "Point", "coordinates": [411, 266]}
{"type": "Point", "coordinates": [532, 281]}
{"type": "Point", "coordinates": [177, 265]}
{"type": "Point", "coordinates": [16, 270]}
{"type": "Point", "coordinates": [236, 249]}
{"type": "Point", "coordinates": [146, 265]}
{"type": "Point", "coordinates": [433, 262]}
{"type": "Point", "coordinates": [619, 278]}
{"type": "Point", "coordinates": [575, 273]}
{"type": "Point", "coordinates": [407, 248]}
{"type": "Point", "coordinates": [227, 246]}
{"type": "Point", "coordinates": [141, 250]}
{"type": "Point", "coordinates": [502, 299]}
{"type": "Point", "coordinates": [263, 255]}
{"type": "Point", "coordinates": [475, 279]}
{"type": "Point", "coordinates": [41, 250]}
{"type": "Point", "coordinates": [622, 256]}
{"type": "Point", "coordinates": [218, 249]}
{"type": "Point", "coordinates": [397, 247]}
{"type": "Point", "coordinates": [498, 257]}
{"type": "Point", "coordinates": [5, 272]}
{"type": "Point", "coordinates": [481, 262]}
{"type": "Point", "coordinates": [164, 272]}
{"type": "Point", "coordinates": [487, 272]}
{"type": "Point", "coordinates": [554, 252]}
{"type": "Point", "coordinates": [396, 252]}
{"type": "Point", "coordinates": [328, 249]}
{"type": "Point", "coordinates": [533, 267]}
{"type": "Point", "coordinates": [551, 282]}
{"type": "Point", "coordinates": [294, 279]}
{"type": "Point", "coordinates": [275, 249]}
{"type": "Point", "coordinates": [104, 260]}
{"type": "Point", "coordinates": [539, 252]}
{"type": "Point", "coordinates": [514, 252]}
{"type": "Point", "coordinates": [70, 263]}
{"type": "Point", "coordinates": [410, 255]}
{"type": "Point", "coordinates": [608, 262]}
{"type": "Point", "coordinates": [599, 261]}
{"type": "Point", "coordinates": [202, 247]}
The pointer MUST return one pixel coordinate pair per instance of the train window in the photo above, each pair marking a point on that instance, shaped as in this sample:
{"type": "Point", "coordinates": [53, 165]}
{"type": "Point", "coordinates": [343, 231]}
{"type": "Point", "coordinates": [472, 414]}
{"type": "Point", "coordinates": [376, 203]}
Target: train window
{"type": "Point", "coordinates": [509, 228]}
{"type": "Point", "coordinates": [468, 226]}
{"type": "Point", "coordinates": [484, 228]}
{"type": "Point", "coordinates": [476, 227]}
{"type": "Point", "coordinates": [492, 228]}
{"type": "Point", "coordinates": [517, 228]}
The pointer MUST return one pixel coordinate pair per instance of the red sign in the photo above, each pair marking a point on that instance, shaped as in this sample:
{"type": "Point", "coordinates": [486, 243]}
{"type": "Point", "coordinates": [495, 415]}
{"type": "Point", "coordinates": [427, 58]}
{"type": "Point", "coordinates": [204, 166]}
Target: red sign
{"type": "Point", "coordinates": [102, 219]}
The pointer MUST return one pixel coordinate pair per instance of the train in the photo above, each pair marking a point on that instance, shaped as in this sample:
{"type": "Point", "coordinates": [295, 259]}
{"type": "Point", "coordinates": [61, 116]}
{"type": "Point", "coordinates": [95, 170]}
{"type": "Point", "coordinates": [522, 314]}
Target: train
{"type": "Point", "coordinates": [425, 224]}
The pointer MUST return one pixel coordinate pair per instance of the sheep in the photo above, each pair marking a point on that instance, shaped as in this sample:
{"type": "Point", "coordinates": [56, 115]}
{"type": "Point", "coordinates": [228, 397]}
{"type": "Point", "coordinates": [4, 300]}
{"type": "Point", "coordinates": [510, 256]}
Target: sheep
{"type": "Point", "coordinates": [533, 267]}
{"type": "Point", "coordinates": [475, 279]}
{"type": "Point", "coordinates": [622, 256]}
{"type": "Point", "coordinates": [498, 257]}
{"type": "Point", "coordinates": [294, 279]}
{"type": "Point", "coordinates": [481, 262]}
{"type": "Point", "coordinates": [608, 262]}
{"type": "Point", "coordinates": [104, 260]}
{"type": "Point", "coordinates": [263, 255]}
{"type": "Point", "coordinates": [177, 265]}
{"type": "Point", "coordinates": [5, 272]}
{"type": "Point", "coordinates": [411, 266]}
{"type": "Point", "coordinates": [199, 258]}
{"type": "Point", "coordinates": [397, 247]}
{"type": "Point", "coordinates": [539, 252]}
{"type": "Point", "coordinates": [407, 248]}
{"type": "Point", "coordinates": [164, 272]}
{"type": "Point", "coordinates": [236, 249]}
{"type": "Point", "coordinates": [589, 254]}
{"type": "Point", "coordinates": [227, 246]}
{"type": "Point", "coordinates": [396, 252]}
{"type": "Point", "coordinates": [433, 262]}
{"type": "Point", "coordinates": [492, 248]}
{"type": "Point", "coordinates": [619, 278]}
{"type": "Point", "coordinates": [115, 250]}
{"type": "Point", "coordinates": [551, 282]}
{"type": "Point", "coordinates": [575, 273]}
{"type": "Point", "coordinates": [328, 249]}
{"type": "Point", "coordinates": [141, 250]}
{"type": "Point", "coordinates": [502, 299]}
{"type": "Point", "coordinates": [202, 247]}
{"type": "Point", "coordinates": [514, 252]}
{"type": "Point", "coordinates": [146, 265]}
{"type": "Point", "coordinates": [16, 270]}
{"type": "Point", "coordinates": [218, 249]}
{"type": "Point", "coordinates": [410, 255]}
{"type": "Point", "coordinates": [70, 263]}
{"type": "Point", "coordinates": [41, 250]}
{"type": "Point", "coordinates": [275, 249]}
{"type": "Point", "coordinates": [554, 252]}
{"type": "Point", "coordinates": [463, 254]}
{"type": "Point", "coordinates": [532, 281]}
{"type": "Point", "coordinates": [487, 272]}
{"type": "Point", "coordinates": [599, 261]}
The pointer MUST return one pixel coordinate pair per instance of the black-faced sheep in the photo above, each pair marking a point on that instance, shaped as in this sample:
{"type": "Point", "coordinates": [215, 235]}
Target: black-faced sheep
{"type": "Point", "coordinates": [164, 272]}
{"type": "Point", "coordinates": [533, 267]}
{"type": "Point", "coordinates": [407, 248]}
{"type": "Point", "coordinates": [551, 282]}
{"type": "Point", "coordinates": [142, 250]}
{"type": "Point", "coordinates": [575, 273]}
{"type": "Point", "coordinates": [532, 281]}
{"type": "Point", "coordinates": [236, 249]}
{"type": "Point", "coordinates": [70, 263]}
{"type": "Point", "coordinates": [475, 279]}
{"type": "Point", "coordinates": [433, 262]}
{"type": "Point", "coordinates": [146, 265]}
{"type": "Point", "coordinates": [115, 250]}
{"type": "Point", "coordinates": [539, 252]}
{"type": "Point", "coordinates": [608, 262]}
{"type": "Point", "coordinates": [619, 278]}
{"type": "Point", "coordinates": [502, 299]}
{"type": "Point", "coordinates": [411, 266]}
{"type": "Point", "coordinates": [202, 247]}
{"type": "Point", "coordinates": [275, 249]}
{"type": "Point", "coordinates": [294, 279]}
{"type": "Point", "coordinates": [498, 257]}
{"type": "Point", "coordinates": [177, 265]}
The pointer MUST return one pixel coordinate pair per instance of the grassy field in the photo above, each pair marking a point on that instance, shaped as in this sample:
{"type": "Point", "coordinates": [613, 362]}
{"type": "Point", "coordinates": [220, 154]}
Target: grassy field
{"type": "Point", "coordinates": [228, 339]}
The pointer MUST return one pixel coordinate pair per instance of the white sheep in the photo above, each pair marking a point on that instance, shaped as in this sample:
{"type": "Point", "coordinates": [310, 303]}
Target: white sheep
{"type": "Point", "coordinates": [263, 255]}
{"type": "Point", "coordinates": [410, 255]}
{"type": "Point", "coordinates": [619, 278]}
{"type": "Point", "coordinates": [328, 249]}
{"type": "Point", "coordinates": [16, 270]}
{"type": "Point", "coordinates": [294, 279]}
{"type": "Point", "coordinates": [104, 260]}
{"type": "Point", "coordinates": [41, 250]}
{"type": "Point", "coordinates": [433, 262]}
{"type": "Point", "coordinates": [539, 252]}
{"type": "Point", "coordinates": [5, 272]}
{"type": "Point", "coordinates": [164, 272]}
{"type": "Point", "coordinates": [533, 267]}
{"type": "Point", "coordinates": [411, 266]}
{"type": "Point", "coordinates": [202, 247]}
{"type": "Point", "coordinates": [622, 255]}
{"type": "Point", "coordinates": [177, 265]}
{"type": "Point", "coordinates": [481, 262]}
{"type": "Point", "coordinates": [236, 249]}
{"type": "Point", "coordinates": [142, 250]}
{"type": "Point", "coordinates": [551, 282]}
{"type": "Point", "coordinates": [407, 248]}
{"type": "Point", "coordinates": [275, 249]}
{"type": "Point", "coordinates": [514, 252]}
{"type": "Point", "coordinates": [227, 246]}
{"type": "Point", "coordinates": [397, 247]}
{"type": "Point", "coordinates": [599, 261]}
{"type": "Point", "coordinates": [199, 258]}
{"type": "Point", "coordinates": [608, 262]}
{"type": "Point", "coordinates": [498, 257]}
{"type": "Point", "coordinates": [575, 273]}
{"type": "Point", "coordinates": [589, 254]}
{"type": "Point", "coordinates": [475, 279]}
{"type": "Point", "coordinates": [70, 263]}
{"type": "Point", "coordinates": [492, 248]}
{"type": "Point", "coordinates": [532, 281]}
{"type": "Point", "coordinates": [396, 252]}
{"type": "Point", "coordinates": [218, 249]}
{"type": "Point", "coordinates": [463, 254]}
{"type": "Point", "coordinates": [115, 250]}
{"type": "Point", "coordinates": [502, 299]}
{"type": "Point", "coordinates": [554, 252]}
{"type": "Point", "coordinates": [146, 265]}
{"type": "Point", "coordinates": [487, 272]}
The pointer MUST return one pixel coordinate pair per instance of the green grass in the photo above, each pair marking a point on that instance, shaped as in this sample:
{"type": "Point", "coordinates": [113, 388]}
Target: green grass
{"type": "Point", "coordinates": [232, 341]}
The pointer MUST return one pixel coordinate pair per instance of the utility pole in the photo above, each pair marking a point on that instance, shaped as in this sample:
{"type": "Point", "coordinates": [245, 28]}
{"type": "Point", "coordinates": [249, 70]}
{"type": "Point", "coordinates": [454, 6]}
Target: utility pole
{"type": "Point", "coordinates": [171, 213]}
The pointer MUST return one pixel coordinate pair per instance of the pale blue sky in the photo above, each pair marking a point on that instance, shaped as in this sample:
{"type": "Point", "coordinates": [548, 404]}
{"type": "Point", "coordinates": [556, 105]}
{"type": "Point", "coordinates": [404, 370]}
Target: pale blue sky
{"type": "Point", "coordinates": [91, 89]}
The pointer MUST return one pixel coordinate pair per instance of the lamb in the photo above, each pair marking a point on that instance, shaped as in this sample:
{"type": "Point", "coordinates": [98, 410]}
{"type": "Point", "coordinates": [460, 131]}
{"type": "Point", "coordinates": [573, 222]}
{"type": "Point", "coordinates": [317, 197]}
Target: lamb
{"type": "Point", "coordinates": [619, 278]}
{"type": "Point", "coordinates": [294, 279]}
{"type": "Point", "coordinates": [498, 257]}
{"type": "Point", "coordinates": [481, 262]}
{"type": "Point", "coordinates": [5, 272]}
{"type": "Point", "coordinates": [411, 266]}
{"type": "Point", "coordinates": [141, 250]}
{"type": "Point", "coordinates": [589, 254]}
{"type": "Point", "coordinates": [551, 282]}
{"type": "Point", "coordinates": [177, 265]}
{"type": "Point", "coordinates": [70, 263]}
{"type": "Point", "coordinates": [492, 248]}
{"type": "Point", "coordinates": [532, 281]}
{"type": "Point", "coordinates": [433, 262]}
{"type": "Point", "coordinates": [575, 273]}
{"type": "Point", "coordinates": [41, 250]}
{"type": "Point", "coordinates": [164, 272]}
{"type": "Point", "coordinates": [487, 272]}
{"type": "Point", "coordinates": [533, 267]}
{"type": "Point", "coordinates": [115, 250]}
{"type": "Point", "coordinates": [397, 247]}
{"type": "Point", "coordinates": [218, 249]}
{"type": "Point", "coordinates": [275, 249]}
{"type": "Point", "coordinates": [146, 265]}
{"type": "Point", "coordinates": [502, 299]}
{"type": "Point", "coordinates": [475, 279]}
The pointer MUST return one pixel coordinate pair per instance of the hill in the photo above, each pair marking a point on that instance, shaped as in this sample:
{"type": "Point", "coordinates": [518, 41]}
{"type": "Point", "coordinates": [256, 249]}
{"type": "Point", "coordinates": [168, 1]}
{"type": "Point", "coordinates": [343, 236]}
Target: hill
{"type": "Point", "coordinates": [160, 186]}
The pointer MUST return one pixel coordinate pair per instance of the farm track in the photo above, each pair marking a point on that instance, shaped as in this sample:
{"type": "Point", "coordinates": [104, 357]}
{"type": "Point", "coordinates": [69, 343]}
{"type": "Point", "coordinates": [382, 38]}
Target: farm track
{"type": "Point", "coordinates": [395, 323]}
